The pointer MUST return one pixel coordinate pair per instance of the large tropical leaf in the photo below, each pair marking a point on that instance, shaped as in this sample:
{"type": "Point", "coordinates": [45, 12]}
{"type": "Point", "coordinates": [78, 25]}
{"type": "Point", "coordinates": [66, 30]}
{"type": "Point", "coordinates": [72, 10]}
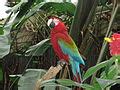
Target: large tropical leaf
{"type": "Point", "coordinates": [24, 8]}
{"type": "Point", "coordinates": [53, 85]}
{"type": "Point", "coordinates": [105, 82]}
{"type": "Point", "coordinates": [111, 74]}
{"type": "Point", "coordinates": [12, 20]}
{"type": "Point", "coordinates": [29, 79]}
{"type": "Point", "coordinates": [97, 67]}
{"type": "Point", "coordinates": [66, 83]}
{"type": "Point", "coordinates": [38, 49]}
{"type": "Point", "coordinates": [66, 7]}
{"type": "Point", "coordinates": [4, 44]}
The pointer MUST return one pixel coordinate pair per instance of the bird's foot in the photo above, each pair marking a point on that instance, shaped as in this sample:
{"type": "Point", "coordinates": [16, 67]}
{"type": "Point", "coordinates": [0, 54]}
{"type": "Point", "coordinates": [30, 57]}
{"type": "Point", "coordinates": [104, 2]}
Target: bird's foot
{"type": "Point", "coordinates": [62, 62]}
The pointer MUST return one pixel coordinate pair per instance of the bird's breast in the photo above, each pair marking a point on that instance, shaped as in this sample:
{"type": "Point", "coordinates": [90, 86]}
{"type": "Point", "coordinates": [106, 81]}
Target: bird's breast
{"type": "Point", "coordinates": [57, 48]}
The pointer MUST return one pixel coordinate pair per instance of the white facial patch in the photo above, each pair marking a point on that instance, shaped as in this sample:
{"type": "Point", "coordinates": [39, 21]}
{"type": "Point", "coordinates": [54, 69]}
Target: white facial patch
{"type": "Point", "coordinates": [56, 21]}
{"type": "Point", "coordinates": [49, 21]}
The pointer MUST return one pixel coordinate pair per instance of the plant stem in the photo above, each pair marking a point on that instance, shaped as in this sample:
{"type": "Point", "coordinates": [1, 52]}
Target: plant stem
{"type": "Point", "coordinates": [108, 34]}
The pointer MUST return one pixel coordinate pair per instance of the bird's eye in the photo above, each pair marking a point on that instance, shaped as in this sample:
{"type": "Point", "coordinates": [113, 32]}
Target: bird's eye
{"type": "Point", "coordinates": [52, 24]}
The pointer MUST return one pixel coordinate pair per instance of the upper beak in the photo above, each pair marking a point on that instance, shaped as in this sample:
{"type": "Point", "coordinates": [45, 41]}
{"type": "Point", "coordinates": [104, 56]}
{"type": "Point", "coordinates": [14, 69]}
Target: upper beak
{"type": "Point", "coordinates": [108, 39]}
{"type": "Point", "coordinates": [49, 22]}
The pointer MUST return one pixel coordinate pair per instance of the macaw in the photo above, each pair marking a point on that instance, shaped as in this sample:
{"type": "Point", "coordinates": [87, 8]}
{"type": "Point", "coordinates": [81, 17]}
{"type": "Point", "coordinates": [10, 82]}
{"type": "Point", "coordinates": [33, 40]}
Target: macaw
{"type": "Point", "coordinates": [114, 42]}
{"type": "Point", "coordinates": [64, 46]}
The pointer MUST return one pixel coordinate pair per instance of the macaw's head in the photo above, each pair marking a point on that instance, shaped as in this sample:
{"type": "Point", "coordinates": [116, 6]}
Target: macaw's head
{"type": "Point", "coordinates": [56, 24]}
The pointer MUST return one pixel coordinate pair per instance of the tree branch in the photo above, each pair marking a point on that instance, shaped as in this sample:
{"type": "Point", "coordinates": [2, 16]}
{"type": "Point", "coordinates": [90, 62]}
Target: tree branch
{"type": "Point", "coordinates": [52, 72]}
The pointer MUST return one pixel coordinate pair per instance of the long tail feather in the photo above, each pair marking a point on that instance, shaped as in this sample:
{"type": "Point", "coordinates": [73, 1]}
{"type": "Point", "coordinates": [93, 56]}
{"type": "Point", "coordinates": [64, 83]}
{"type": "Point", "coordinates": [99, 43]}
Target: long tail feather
{"type": "Point", "coordinates": [77, 78]}
{"type": "Point", "coordinates": [76, 71]}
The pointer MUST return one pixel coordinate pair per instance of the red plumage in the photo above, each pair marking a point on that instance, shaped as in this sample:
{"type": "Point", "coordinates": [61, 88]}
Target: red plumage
{"type": "Point", "coordinates": [55, 34]}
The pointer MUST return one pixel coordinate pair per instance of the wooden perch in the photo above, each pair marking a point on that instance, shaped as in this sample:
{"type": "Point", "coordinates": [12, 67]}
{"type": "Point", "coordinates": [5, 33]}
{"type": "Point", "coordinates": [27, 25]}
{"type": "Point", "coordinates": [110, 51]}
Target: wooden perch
{"type": "Point", "coordinates": [52, 72]}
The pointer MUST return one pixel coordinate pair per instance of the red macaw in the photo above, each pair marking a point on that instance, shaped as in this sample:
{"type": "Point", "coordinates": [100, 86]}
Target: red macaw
{"type": "Point", "coordinates": [64, 46]}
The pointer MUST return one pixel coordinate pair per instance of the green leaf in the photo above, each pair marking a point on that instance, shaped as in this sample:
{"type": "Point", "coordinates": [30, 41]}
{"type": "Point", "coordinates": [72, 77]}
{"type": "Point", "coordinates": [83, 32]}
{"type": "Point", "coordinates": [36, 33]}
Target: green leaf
{"type": "Point", "coordinates": [117, 64]}
{"type": "Point", "coordinates": [10, 22]}
{"type": "Point", "coordinates": [66, 7]}
{"type": "Point", "coordinates": [17, 7]}
{"type": "Point", "coordinates": [103, 2]}
{"type": "Point", "coordinates": [4, 44]}
{"type": "Point", "coordinates": [95, 68]}
{"type": "Point", "coordinates": [96, 85]}
{"type": "Point", "coordinates": [52, 86]}
{"type": "Point", "coordinates": [32, 11]}
{"type": "Point", "coordinates": [5, 38]}
{"type": "Point", "coordinates": [19, 12]}
{"type": "Point", "coordinates": [50, 6]}
{"type": "Point", "coordinates": [38, 49]}
{"type": "Point", "coordinates": [39, 1]}
{"type": "Point", "coordinates": [24, 8]}
{"type": "Point", "coordinates": [112, 73]}
{"type": "Point", "coordinates": [118, 58]}
{"type": "Point", "coordinates": [66, 82]}
{"type": "Point", "coordinates": [104, 82]}
{"type": "Point", "coordinates": [87, 86]}
{"type": "Point", "coordinates": [48, 81]}
{"type": "Point", "coordinates": [1, 30]}
{"type": "Point", "coordinates": [29, 79]}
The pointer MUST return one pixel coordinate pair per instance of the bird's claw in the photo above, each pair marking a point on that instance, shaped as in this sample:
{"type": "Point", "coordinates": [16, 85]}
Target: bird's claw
{"type": "Point", "coordinates": [62, 62]}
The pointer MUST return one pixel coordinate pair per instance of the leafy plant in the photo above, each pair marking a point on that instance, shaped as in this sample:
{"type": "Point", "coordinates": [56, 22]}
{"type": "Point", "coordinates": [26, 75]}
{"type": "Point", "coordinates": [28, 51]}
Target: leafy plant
{"type": "Point", "coordinates": [38, 49]}
{"type": "Point", "coordinates": [91, 21]}
{"type": "Point", "coordinates": [28, 80]}
{"type": "Point", "coordinates": [106, 80]}
{"type": "Point", "coordinates": [34, 14]}
{"type": "Point", "coordinates": [4, 42]}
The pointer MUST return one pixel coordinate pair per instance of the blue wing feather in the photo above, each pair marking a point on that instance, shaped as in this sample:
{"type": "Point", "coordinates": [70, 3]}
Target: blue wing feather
{"type": "Point", "coordinates": [74, 57]}
{"type": "Point", "coordinates": [71, 51]}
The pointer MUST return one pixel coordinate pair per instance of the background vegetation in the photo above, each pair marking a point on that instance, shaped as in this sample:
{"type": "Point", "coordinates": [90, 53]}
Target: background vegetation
{"type": "Point", "coordinates": [26, 52]}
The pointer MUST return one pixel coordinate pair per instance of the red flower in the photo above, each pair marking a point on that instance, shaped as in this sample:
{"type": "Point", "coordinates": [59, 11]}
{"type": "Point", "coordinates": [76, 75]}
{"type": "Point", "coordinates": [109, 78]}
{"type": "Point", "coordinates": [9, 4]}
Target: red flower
{"type": "Point", "coordinates": [115, 44]}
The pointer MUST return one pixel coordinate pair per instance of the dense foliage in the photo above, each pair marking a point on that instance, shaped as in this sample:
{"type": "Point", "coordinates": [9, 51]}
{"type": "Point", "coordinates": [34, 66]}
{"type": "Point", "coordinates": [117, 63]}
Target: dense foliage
{"type": "Point", "coordinates": [25, 49]}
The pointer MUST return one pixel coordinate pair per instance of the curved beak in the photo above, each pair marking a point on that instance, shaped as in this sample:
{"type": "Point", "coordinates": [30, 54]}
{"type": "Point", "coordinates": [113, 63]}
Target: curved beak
{"type": "Point", "coordinates": [49, 22]}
